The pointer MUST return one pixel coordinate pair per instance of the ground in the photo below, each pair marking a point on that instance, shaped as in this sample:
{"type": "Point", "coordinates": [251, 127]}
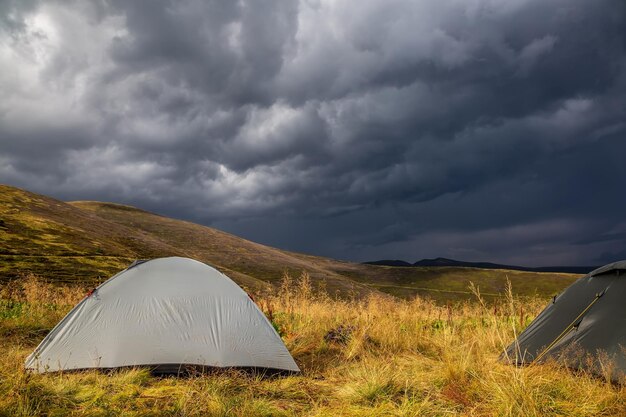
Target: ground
{"type": "Point", "coordinates": [386, 356]}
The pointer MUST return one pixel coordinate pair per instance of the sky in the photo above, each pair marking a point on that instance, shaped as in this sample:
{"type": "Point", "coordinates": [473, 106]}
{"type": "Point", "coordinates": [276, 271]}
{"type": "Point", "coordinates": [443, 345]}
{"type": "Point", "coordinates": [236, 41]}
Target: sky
{"type": "Point", "coordinates": [480, 130]}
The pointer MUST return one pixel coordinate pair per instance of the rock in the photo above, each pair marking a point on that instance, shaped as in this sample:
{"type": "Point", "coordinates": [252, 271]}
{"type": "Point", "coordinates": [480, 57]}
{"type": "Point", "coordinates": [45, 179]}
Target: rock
{"type": "Point", "coordinates": [340, 334]}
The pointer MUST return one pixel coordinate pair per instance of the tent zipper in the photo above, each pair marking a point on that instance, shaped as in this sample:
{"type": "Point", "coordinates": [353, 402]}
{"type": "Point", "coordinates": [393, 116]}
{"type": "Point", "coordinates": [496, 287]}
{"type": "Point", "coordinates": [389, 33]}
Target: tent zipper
{"type": "Point", "coordinates": [569, 327]}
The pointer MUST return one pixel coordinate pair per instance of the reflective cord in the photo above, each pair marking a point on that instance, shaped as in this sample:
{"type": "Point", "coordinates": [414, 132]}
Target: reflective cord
{"type": "Point", "coordinates": [568, 328]}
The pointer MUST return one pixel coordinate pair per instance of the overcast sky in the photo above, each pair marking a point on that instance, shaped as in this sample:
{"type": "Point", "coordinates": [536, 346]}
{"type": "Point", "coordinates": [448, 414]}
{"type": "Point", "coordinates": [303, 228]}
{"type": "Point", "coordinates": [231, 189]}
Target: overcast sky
{"type": "Point", "coordinates": [371, 129]}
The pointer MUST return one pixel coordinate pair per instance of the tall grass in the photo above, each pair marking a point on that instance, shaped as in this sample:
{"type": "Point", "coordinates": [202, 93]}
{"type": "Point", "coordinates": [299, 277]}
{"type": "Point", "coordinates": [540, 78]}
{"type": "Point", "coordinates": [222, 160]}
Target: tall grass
{"type": "Point", "coordinates": [360, 357]}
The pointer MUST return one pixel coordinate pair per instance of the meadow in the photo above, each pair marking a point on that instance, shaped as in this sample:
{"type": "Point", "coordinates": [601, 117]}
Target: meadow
{"type": "Point", "coordinates": [360, 356]}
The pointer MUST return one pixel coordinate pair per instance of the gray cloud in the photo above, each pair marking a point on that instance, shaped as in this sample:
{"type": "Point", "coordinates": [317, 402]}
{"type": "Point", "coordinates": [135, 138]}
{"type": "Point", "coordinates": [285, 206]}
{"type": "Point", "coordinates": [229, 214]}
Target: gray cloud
{"type": "Point", "coordinates": [481, 130]}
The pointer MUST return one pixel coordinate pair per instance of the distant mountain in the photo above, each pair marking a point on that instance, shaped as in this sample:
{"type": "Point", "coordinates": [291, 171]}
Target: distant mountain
{"type": "Point", "coordinates": [485, 265]}
{"type": "Point", "coordinates": [389, 262]}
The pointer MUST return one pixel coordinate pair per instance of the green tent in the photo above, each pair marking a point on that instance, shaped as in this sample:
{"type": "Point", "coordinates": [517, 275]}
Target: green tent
{"type": "Point", "coordinates": [584, 327]}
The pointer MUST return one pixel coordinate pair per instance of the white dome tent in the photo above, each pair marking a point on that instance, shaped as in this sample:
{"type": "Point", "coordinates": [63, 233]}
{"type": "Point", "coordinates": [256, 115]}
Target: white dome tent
{"type": "Point", "coordinates": [164, 313]}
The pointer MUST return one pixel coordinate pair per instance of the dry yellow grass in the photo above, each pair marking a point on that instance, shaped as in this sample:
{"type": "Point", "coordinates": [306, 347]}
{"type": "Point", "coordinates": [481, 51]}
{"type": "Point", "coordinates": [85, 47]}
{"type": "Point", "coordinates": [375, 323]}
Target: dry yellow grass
{"type": "Point", "coordinates": [404, 358]}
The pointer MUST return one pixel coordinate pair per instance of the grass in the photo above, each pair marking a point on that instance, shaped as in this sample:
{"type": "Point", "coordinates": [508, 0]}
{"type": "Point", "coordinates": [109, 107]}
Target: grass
{"type": "Point", "coordinates": [451, 283]}
{"type": "Point", "coordinates": [394, 357]}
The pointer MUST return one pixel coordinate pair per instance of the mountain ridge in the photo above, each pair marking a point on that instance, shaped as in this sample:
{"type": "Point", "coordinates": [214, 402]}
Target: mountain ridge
{"type": "Point", "coordinates": [434, 262]}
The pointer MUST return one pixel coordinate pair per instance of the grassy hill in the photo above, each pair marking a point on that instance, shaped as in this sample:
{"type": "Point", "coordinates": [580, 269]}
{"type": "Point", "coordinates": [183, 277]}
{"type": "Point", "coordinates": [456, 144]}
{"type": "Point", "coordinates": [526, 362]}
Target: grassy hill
{"type": "Point", "coordinates": [452, 283]}
{"type": "Point", "coordinates": [89, 241]}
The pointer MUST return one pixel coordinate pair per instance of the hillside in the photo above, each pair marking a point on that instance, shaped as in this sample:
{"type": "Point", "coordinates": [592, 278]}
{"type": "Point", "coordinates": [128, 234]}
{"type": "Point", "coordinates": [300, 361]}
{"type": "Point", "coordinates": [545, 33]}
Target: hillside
{"type": "Point", "coordinates": [89, 241]}
{"type": "Point", "coordinates": [452, 283]}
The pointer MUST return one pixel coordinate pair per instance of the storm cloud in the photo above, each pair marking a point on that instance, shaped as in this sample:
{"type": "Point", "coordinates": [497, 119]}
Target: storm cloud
{"type": "Point", "coordinates": [474, 129]}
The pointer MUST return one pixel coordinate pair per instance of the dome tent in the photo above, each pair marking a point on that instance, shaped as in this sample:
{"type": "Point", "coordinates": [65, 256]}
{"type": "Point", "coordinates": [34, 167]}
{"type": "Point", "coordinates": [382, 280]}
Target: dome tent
{"type": "Point", "coordinates": [164, 313]}
{"type": "Point", "coordinates": [583, 327]}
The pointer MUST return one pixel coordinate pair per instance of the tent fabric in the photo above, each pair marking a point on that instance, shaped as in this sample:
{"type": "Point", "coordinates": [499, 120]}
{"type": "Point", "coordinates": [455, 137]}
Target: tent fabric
{"type": "Point", "coordinates": [166, 313]}
{"type": "Point", "coordinates": [615, 266]}
{"type": "Point", "coordinates": [584, 327]}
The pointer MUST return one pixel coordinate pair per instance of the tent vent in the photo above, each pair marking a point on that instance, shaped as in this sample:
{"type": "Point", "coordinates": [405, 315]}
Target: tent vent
{"type": "Point", "coordinates": [137, 262]}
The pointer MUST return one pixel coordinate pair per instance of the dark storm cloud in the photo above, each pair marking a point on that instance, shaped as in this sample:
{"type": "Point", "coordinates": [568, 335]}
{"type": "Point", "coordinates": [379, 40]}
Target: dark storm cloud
{"type": "Point", "coordinates": [371, 129]}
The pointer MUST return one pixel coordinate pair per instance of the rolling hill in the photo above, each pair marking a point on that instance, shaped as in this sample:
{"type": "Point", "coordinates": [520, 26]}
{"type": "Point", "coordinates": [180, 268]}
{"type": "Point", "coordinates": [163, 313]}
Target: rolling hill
{"type": "Point", "coordinates": [89, 241]}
